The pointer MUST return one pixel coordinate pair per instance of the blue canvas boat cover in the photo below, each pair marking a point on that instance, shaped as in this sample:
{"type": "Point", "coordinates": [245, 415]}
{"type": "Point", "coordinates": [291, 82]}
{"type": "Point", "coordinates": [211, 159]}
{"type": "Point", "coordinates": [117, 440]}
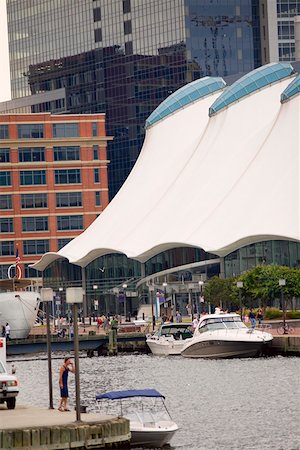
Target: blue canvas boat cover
{"type": "Point", "coordinates": [118, 395]}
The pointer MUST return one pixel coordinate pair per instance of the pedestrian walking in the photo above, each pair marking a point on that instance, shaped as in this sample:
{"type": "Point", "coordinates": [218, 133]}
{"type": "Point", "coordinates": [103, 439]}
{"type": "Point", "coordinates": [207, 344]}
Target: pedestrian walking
{"type": "Point", "coordinates": [259, 316]}
{"type": "Point", "coordinates": [252, 318]}
{"type": "Point", "coordinates": [3, 331]}
{"type": "Point", "coordinates": [67, 367]}
{"type": "Point", "coordinates": [7, 331]}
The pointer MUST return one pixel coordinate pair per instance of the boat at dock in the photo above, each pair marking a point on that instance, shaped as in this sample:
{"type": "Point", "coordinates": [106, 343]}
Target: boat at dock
{"type": "Point", "coordinates": [169, 339]}
{"type": "Point", "coordinates": [224, 335]}
{"type": "Point", "coordinates": [19, 303]}
{"type": "Point", "coordinates": [150, 421]}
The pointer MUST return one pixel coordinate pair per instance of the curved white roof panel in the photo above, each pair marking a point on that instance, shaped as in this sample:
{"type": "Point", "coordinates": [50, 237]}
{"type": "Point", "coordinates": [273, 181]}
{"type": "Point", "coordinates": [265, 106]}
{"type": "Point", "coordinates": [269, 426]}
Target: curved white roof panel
{"type": "Point", "coordinates": [251, 82]}
{"type": "Point", "coordinates": [184, 96]}
{"type": "Point", "coordinates": [216, 183]}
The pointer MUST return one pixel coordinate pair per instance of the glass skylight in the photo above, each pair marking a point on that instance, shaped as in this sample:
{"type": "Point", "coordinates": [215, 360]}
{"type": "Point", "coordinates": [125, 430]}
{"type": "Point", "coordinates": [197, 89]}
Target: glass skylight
{"type": "Point", "coordinates": [292, 89]}
{"type": "Point", "coordinates": [185, 95]}
{"type": "Point", "coordinates": [253, 81]}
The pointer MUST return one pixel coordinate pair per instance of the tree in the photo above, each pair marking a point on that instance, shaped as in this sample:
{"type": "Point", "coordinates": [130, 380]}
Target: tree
{"type": "Point", "coordinates": [219, 291]}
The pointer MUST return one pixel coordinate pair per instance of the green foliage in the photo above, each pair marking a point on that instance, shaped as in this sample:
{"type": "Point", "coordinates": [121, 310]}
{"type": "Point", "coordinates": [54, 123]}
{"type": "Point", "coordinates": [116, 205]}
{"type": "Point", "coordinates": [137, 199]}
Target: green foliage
{"type": "Point", "coordinates": [219, 291]}
{"type": "Point", "coordinates": [293, 314]}
{"type": "Point", "coordinates": [260, 283]}
{"type": "Point", "coordinates": [272, 313]}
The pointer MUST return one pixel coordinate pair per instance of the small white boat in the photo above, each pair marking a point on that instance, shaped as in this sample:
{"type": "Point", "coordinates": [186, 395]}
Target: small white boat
{"type": "Point", "coordinates": [225, 336]}
{"type": "Point", "coordinates": [150, 421]}
{"type": "Point", "coordinates": [169, 339]}
{"type": "Point", "coordinates": [18, 306]}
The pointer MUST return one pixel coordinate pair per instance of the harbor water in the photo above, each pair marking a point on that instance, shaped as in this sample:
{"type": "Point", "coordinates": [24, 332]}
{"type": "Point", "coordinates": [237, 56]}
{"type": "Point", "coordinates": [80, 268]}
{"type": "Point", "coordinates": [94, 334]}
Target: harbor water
{"type": "Point", "coordinates": [218, 404]}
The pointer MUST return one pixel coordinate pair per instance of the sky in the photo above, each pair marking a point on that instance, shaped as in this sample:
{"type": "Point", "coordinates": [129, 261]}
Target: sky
{"type": "Point", "coordinates": [4, 72]}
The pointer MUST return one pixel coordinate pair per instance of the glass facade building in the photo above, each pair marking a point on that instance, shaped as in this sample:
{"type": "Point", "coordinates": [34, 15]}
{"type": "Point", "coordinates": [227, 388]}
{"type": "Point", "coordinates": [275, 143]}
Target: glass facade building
{"type": "Point", "coordinates": [124, 57]}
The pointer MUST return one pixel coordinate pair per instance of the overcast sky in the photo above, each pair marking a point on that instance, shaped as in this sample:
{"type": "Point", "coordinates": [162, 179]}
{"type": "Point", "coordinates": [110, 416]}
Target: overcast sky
{"type": "Point", "coordinates": [4, 71]}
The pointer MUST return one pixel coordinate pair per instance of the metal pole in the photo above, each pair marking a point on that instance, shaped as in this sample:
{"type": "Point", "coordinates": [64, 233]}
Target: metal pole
{"type": "Point", "coordinates": [76, 357]}
{"type": "Point", "coordinates": [125, 311]}
{"type": "Point", "coordinates": [285, 331]}
{"type": "Point", "coordinates": [152, 309]}
{"type": "Point", "coordinates": [240, 300]}
{"type": "Point", "coordinates": [49, 357]}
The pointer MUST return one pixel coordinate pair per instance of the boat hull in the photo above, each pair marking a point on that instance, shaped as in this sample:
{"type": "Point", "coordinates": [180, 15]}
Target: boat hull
{"type": "Point", "coordinates": [19, 309]}
{"type": "Point", "coordinates": [152, 438]}
{"type": "Point", "coordinates": [215, 348]}
{"type": "Point", "coordinates": [165, 348]}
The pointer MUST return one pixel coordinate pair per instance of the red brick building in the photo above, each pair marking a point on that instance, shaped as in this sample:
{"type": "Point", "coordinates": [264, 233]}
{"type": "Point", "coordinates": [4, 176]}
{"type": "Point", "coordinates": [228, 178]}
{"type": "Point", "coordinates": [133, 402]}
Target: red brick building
{"type": "Point", "coordinates": [53, 182]}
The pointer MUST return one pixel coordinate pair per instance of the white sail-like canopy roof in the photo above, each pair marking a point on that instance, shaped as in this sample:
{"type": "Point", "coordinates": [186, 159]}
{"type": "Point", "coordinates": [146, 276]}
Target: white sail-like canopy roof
{"type": "Point", "coordinates": [218, 182]}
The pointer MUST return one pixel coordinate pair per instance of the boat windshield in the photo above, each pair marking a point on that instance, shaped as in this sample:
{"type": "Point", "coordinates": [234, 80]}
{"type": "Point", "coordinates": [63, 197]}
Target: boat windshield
{"type": "Point", "coordinates": [221, 323]}
{"type": "Point", "coordinates": [178, 331]}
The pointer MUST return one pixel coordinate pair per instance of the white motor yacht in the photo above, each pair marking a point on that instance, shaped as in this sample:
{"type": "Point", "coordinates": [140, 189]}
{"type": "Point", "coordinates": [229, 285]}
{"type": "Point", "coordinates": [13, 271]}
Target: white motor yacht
{"type": "Point", "coordinates": [150, 421]}
{"type": "Point", "coordinates": [225, 336]}
{"type": "Point", "coordinates": [170, 338]}
{"type": "Point", "coordinates": [19, 304]}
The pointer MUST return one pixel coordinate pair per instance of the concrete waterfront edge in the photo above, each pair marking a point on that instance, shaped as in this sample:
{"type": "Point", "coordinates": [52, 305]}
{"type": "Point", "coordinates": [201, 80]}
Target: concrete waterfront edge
{"type": "Point", "coordinates": [79, 436]}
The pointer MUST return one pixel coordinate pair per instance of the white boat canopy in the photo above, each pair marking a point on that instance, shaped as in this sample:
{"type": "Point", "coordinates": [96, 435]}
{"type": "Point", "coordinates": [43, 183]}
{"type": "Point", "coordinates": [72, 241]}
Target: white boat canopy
{"type": "Point", "coordinates": [219, 169]}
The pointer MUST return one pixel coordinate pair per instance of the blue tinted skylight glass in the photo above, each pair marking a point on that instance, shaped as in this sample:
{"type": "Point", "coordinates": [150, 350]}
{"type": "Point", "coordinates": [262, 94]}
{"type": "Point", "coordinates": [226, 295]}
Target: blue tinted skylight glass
{"type": "Point", "coordinates": [184, 96]}
{"type": "Point", "coordinates": [292, 89]}
{"type": "Point", "coordinates": [253, 81]}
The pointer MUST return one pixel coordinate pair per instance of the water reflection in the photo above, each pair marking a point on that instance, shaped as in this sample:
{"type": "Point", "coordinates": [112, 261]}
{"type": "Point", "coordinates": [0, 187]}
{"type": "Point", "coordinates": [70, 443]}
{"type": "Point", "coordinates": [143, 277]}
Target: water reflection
{"type": "Point", "coordinates": [229, 404]}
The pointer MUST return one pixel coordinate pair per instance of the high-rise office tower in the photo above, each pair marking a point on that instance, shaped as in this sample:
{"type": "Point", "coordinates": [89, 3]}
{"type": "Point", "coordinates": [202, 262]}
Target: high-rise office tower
{"type": "Point", "coordinates": [123, 57]}
{"type": "Point", "coordinates": [278, 29]}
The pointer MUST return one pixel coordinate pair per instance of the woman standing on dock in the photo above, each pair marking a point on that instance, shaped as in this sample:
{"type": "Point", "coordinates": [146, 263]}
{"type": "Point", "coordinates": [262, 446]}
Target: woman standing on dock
{"type": "Point", "coordinates": [63, 383]}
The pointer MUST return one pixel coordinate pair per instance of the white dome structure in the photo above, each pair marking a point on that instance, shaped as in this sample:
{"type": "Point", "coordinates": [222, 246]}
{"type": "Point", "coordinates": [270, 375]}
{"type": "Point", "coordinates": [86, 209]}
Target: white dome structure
{"type": "Point", "coordinates": [219, 169]}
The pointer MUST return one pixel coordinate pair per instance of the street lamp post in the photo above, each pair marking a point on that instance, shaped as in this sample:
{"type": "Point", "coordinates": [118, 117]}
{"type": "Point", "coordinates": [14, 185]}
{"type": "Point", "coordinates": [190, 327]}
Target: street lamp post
{"type": "Point", "coordinates": [240, 285]}
{"type": "Point", "coordinates": [74, 295]}
{"type": "Point", "coordinates": [165, 284]}
{"type": "Point", "coordinates": [200, 293]}
{"type": "Point", "coordinates": [47, 297]}
{"type": "Point", "coordinates": [96, 303]}
{"type": "Point", "coordinates": [190, 293]}
{"type": "Point", "coordinates": [151, 290]}
{"type": "Point", "coordinates": [282, 283]}
{"type": "Point", "coordinates": [125, 306]}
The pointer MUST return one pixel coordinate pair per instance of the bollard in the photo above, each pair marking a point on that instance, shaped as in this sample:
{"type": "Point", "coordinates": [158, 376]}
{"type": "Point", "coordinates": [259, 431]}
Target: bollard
{"type": "Point", "coordinates": [112, 343]}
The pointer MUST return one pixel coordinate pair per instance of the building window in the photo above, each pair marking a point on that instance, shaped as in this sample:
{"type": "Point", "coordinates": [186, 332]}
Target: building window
{"type": "Point", "coordinates": [98, 35]}
{"type": "Point", "coordinates": [30, 131]}
{"type": "Point", "coordinates": [95, 129]}
{"type": "Point", "coordinates": [4, 132]}
{"type": "Point", "coordinates": [68, 199]}
{"type": "Point", "coordinates": [69, 153]}
{"type": "Point", "coordinates": [128, 48]}
{"type": "Point", "coordinates": [4, 155]}
{"type": "Point", "coordinates": [126, 6]}
{"type": "Point", "coordinates": [36, 247]}
{"type": "Point", "coordinates": [31, 177]}
{"type": "Point", "coordinates": [4, 271]}
{"type": "Point", "coordinates": [39, 200]}
{"type": "Point", "coordinates": [96, 151]}
{"type": "Point", "coordinates": [31, 154]}
{"type": "Point", "coordinates": [33, 223]}
{"type": "Point", "coordinates": [6, 225]}
{"type": "Point", "coordinates": [69, 223]}
{"type": "Point", "coordinates": [67, 176]}
{"type": "Point", "coordinates": [127, 27]}
{"type": "Point", "coordinates": [7, 248]}
{"type": "Point", "coordinates": [5, 179]}
{"type": "Point", "coordinates": [96, 176]}
{"type": "Point", "coordinates": [65, 130]}
{"type": "Point", "coordinates": [97, 198]}
{"type": "Point", "coordinates": [62, 242]}
{"type": "Point", "coordinates": [97, 14]}
{"type": "Point", "coordinates": [6, 201]}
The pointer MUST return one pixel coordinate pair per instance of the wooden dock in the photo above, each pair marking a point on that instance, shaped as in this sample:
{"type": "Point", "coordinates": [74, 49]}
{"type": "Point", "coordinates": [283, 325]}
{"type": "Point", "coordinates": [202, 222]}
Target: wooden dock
{"type": "Point", "coordinates": [33, 428]}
